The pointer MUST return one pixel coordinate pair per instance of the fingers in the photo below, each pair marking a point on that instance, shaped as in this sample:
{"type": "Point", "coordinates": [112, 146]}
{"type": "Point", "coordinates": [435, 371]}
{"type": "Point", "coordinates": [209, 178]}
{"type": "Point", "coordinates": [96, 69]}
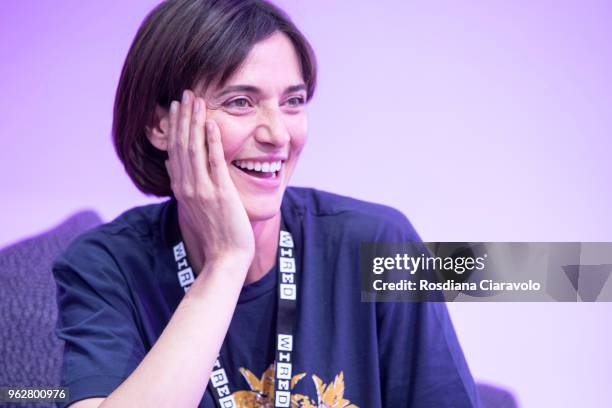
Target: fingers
{"type": "Point", "coordinates": [182, 145]}
{"type": "Point", "coordinates": [173, 163]}
{"type": "Point", "coordinates": [216, 158]}
{"type": "Point", "coordinates": [197, 146]}
{"type": "Point", "coordinates": [195, 156]}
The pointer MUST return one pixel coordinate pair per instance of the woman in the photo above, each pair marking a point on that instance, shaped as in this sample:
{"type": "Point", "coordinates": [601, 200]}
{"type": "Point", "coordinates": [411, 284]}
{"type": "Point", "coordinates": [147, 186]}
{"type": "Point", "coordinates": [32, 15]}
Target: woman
{"type": "Point", "coordinates": [238, 291]}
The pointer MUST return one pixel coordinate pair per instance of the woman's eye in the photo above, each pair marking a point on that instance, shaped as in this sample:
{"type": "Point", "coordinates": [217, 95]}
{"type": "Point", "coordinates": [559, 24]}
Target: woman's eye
{"type": "Point", "coordinates": [238, 103]}
{"type": "Point", "coordinates": [296, 101]}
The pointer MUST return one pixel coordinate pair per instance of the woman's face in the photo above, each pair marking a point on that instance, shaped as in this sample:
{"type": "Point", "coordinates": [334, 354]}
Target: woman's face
{"type": "Point", "coordinates": [261, 114]}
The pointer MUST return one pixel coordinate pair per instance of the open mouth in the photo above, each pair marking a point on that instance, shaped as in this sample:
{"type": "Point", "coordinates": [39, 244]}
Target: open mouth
{"type": "Point", "coordinates": [263, 170]}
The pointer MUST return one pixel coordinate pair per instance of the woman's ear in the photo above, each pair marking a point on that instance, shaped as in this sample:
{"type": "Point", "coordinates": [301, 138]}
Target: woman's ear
{"type": "Point", "coordinates": [158, 133]}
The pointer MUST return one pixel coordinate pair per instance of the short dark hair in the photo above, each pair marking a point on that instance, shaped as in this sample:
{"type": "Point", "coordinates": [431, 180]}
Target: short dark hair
{"type": "Point", "coordinates": [179, 44]}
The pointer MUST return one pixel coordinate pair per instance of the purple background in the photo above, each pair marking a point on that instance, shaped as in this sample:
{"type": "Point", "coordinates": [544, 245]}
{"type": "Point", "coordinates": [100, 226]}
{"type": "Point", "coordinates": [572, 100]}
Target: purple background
{"type": "Point", "coordinates": [481, 121]}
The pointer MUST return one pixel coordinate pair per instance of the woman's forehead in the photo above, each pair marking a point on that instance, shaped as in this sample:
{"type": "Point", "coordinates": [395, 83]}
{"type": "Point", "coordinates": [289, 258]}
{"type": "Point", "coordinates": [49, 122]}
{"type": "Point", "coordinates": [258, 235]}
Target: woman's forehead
{"type": "Point", "coordinates": [271, 65]}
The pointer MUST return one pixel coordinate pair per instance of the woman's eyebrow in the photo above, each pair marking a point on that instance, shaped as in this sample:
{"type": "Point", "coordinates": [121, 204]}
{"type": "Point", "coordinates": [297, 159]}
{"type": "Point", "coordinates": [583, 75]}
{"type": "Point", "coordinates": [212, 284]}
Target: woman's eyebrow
{"type": "Point", "coordinates": [255, 90]}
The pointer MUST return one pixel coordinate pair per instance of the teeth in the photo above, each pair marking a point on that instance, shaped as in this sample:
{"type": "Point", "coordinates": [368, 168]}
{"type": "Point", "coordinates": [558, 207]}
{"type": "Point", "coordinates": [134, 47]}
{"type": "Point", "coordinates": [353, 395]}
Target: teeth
{"type": "Point", "coordinates": [266, 167]}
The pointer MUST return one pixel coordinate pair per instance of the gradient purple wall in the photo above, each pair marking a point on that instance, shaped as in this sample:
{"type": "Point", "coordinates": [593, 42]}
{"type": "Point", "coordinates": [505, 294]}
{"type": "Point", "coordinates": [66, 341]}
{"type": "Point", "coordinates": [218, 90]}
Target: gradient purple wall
{"type": "Point", "coordinates": [480, 120]}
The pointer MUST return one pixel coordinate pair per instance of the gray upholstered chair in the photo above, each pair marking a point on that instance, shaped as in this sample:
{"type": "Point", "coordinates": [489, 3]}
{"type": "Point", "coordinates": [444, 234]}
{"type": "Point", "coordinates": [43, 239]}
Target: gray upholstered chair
{"type": "Point", "coordinates": [30, 353]}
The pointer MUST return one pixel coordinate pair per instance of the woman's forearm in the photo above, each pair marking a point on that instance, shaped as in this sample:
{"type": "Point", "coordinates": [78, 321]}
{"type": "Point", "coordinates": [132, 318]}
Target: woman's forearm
{"type": "Point", "coordinates": [177, 369]}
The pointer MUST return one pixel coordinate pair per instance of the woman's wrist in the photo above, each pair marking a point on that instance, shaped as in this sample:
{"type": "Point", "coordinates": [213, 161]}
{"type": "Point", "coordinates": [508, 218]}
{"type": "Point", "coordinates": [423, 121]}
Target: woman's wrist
{"type": "Point", "coordinates": [236, 265]}
{"type": "Point", "coordinates": [226, 275]}
{"type": "Point", "coordinates": [231, 269]}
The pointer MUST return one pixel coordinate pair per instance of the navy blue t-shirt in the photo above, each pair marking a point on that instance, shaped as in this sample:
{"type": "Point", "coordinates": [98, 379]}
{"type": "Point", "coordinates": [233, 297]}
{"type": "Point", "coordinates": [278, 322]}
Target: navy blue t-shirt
{"type": "Point", "coordinates": [118, 288]}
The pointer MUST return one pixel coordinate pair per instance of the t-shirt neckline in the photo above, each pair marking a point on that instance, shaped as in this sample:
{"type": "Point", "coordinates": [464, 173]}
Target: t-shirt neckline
{"type": "Point", "coordinates": [258, 288]}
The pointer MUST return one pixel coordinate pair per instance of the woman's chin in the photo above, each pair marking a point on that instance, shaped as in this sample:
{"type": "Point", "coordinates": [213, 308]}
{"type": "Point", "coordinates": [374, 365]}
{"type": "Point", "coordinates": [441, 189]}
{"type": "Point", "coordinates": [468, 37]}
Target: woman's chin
{"type": "Point", "coordinates": [261, 214]}
{"type": "Point", "coordinates": [262, 210]}
{"type": "Point", "coordinates": [262, 205]}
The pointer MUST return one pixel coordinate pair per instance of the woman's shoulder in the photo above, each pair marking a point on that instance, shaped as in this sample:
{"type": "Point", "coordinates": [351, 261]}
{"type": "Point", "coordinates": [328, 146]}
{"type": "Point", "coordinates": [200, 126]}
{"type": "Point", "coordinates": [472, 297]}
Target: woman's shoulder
{"type": "Point", "coordinates": [349, 213]}
{"type": "Point", "coordinates": [131, 231]}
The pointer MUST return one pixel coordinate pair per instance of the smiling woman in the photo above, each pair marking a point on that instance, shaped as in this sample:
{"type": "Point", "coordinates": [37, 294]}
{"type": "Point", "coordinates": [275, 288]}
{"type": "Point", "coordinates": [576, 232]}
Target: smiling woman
{"type": "Point", "coordinates": [239, 291]}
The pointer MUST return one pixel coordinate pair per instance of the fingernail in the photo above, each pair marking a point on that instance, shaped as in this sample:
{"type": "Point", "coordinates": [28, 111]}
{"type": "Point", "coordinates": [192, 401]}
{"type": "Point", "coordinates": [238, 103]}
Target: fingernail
{"type": "Point", "coordinates": [173, 106]}
{"type": "Point", "coordinates": [197, 105]}
{"type": "Point", "coordinates": [209, 126]}
{"type": "Point", "coordinates": [185, 96]}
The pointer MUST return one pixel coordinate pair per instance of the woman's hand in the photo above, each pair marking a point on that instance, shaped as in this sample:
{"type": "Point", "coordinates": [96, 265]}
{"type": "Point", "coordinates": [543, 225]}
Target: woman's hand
{"type": "Point", "coordinates": [211, 212]}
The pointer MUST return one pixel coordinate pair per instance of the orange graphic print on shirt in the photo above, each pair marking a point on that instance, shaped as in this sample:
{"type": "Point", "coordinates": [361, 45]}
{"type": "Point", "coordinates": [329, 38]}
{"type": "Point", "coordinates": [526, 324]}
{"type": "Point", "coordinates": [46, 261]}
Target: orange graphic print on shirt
{"type": "Point", "coordinates": [262, 393]}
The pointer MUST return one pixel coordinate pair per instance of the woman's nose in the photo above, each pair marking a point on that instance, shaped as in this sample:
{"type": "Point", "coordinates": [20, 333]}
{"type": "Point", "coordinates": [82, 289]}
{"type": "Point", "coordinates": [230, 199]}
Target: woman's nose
{"type": "Point", "coordinates": [273, 129]}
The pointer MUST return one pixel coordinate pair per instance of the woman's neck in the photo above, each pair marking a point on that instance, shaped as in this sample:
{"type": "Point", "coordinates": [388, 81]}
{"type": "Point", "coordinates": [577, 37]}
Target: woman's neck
{"type": "Point", "coordinates": [266, 244]}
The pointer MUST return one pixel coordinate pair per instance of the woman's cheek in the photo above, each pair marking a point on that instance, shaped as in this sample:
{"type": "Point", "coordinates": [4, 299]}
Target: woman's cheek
{"type": "Point", "coordinates": [299, 130]}
{"type": "Point", "coordinates": [231, 136]}
{"type": "Point", "coordinates": [231, 146]}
